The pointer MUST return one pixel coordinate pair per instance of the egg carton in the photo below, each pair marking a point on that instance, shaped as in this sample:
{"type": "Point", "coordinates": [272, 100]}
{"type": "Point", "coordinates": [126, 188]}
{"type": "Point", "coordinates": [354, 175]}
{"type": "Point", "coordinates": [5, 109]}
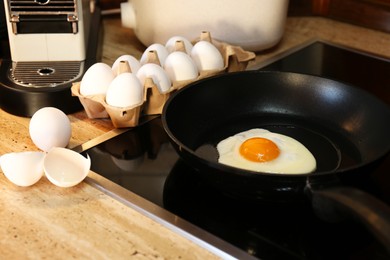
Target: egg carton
{"type": "Point", "coordinates": [235, 59]}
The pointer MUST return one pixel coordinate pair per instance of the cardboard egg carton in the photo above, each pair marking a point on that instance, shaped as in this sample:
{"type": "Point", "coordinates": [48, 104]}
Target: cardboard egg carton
{"type": "Point", "coordinates": [235, 59]}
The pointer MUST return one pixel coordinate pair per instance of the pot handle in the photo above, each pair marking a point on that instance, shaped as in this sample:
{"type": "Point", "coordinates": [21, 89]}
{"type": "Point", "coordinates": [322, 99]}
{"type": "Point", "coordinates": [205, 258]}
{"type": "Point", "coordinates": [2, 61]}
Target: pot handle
{"type": "Point", "coordinates": [336, 203]}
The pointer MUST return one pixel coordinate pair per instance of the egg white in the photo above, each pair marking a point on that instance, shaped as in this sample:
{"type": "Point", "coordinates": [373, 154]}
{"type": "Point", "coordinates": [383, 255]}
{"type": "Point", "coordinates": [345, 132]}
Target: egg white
{"type": "Point", "coordinates": [294, 157]}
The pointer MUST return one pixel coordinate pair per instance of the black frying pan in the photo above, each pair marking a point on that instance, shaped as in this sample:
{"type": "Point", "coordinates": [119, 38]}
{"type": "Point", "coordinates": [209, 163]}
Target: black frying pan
{"type": "Point", "coordinates": [345, 128]}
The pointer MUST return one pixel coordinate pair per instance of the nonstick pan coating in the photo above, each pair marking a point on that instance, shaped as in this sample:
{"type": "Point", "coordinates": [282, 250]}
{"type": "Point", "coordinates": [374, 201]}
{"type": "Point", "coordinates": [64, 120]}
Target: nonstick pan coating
{"type": "Point", "coordinates": [344, 127]}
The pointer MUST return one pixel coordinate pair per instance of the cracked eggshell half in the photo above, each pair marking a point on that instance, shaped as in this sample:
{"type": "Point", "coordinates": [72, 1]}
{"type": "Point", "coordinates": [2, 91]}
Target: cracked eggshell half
{"type": "Point", "coordinates": [23, 168]}
{"type": "Point", "coordinates": [65, 168]}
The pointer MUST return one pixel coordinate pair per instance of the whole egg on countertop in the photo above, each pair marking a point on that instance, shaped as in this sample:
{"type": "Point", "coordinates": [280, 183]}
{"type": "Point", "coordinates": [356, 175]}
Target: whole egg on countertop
{"type": "Point", "coordinates": [252, 24]}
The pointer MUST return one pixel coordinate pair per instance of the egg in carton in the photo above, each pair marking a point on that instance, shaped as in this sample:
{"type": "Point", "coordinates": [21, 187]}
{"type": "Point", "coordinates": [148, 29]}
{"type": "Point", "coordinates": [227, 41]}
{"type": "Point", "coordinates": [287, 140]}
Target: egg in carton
{"type": "Point", "coordinates": [123, 109]}
{"type": "Point", "coordinates": [152, 101]}
{"type": "Point", "coordinates": [158, 86]}
{"type": "Point", "coordinates": [234, 59]}
{"type": "Point", "coordinates": [125, 103]}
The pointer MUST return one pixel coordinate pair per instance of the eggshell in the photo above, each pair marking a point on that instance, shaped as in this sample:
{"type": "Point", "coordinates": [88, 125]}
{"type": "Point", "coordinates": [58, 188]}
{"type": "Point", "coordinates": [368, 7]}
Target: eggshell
{"type": "Point", "coordinates": [170, 45]}
{"type": "Point", "coordinates": [50, 127]}
{"type": "Point", "coordinates": [162, 53]}
{"type": "Point", "coordinates": [65, 168]}
{"type": "Point", "coordinates": [179, 66]}
{"type": "Point", "coordinates": [96, 79]}
{"type": "Point", "coordinates": [206, 56]}
{"type": "Point", "coordinates": [23, 168]}
{"type": "Point", "coordinates": [157, 74]}
{"type": "Point", "coordinates": [125, 90]}
{"type": "Point", "coordinates": [133, 63]}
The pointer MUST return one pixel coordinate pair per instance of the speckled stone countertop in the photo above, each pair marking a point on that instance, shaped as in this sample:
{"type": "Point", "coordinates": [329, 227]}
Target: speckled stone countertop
{"type": "Point", "coordinates": [45, 221]}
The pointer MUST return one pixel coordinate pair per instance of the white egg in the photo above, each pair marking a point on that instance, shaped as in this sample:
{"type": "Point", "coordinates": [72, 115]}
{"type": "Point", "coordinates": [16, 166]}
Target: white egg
{"type": "Point", "coordinates": [171, 44]}
{"type": "Point", "coordinates": [125, 90]}
{"type": "Point", "coordinates": [162, 53]}
{"type": "Point", "coordinates": [96, 79]}
{"type": "Point", "coordinates": [134, 64]}
{"type": "Point", "coordinates": [50, 127]}
{"type": "Point", "coordinates": [260, 155]}
{"type": "Point", "coordinates": [157, 74]}
{"type": "Point", "coordinates": [206, 56]}
{"type": "Point", "coordinates": [23, 168]}
{"type": "Point", "coordinates": [65, 168]}
{"type": "Point", "coordinates": [179, 66]}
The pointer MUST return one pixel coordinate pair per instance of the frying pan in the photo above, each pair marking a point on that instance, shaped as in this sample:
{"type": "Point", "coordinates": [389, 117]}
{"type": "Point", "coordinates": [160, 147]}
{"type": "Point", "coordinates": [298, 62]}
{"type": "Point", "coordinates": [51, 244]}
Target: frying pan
{"type": "Point", "coordinates": [346, 129]}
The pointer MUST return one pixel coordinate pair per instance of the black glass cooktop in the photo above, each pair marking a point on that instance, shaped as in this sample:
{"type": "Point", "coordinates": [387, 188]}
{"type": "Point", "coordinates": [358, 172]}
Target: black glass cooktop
{"type": "Point", "coordinates": [143, 161]}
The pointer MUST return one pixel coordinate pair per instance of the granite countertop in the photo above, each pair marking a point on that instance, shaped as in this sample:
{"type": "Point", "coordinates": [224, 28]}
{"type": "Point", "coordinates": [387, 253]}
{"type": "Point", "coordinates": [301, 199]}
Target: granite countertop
{"type": "Point", "coordinates": [45, 221]}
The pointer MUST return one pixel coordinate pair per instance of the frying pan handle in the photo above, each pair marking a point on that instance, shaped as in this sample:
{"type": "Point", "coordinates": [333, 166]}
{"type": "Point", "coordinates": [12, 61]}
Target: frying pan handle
{"type": "Point", "coordinates": [332, 204]}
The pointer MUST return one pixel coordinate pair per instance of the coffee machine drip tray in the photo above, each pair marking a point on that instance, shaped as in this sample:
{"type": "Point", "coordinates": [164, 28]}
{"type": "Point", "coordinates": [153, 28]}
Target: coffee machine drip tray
{"type": "Point", "coordinates": [45, 74]}
{"type": "Point", "coordinates": [24, 91]}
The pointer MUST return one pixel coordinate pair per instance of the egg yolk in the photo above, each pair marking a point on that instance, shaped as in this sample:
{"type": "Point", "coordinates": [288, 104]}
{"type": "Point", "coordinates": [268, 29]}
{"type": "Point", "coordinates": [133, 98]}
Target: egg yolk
{"type": "Point", "coordinates": [259, 149]}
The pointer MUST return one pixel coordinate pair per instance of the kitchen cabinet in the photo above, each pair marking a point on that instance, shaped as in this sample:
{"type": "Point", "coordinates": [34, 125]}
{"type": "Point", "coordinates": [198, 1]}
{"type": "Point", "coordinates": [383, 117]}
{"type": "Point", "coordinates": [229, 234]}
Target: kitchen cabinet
{"type": "Point", "coordinates": [374, 14]}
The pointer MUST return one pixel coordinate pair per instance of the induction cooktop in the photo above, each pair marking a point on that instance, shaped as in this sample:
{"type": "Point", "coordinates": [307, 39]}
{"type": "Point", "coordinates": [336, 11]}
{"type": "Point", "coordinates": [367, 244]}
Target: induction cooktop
{"type": "Point", "coordinates": [139, 167]}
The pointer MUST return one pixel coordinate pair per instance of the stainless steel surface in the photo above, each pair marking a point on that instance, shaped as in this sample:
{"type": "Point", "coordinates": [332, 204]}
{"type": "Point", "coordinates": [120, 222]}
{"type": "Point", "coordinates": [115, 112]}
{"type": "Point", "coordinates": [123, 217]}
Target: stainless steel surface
{"type": "Point", "coordinates": [104, 137]}
{"type": "Point", "coordinates": [45, 74]}
{"type": "Point", "coordinates": [111, 134]}
{"type": "Point", "coordinates": [167, 219]}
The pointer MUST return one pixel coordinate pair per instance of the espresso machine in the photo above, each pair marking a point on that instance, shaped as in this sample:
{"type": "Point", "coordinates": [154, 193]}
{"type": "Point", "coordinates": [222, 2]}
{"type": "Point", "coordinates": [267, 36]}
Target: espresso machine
{"type": "Point", "coordinates": [51, 44]}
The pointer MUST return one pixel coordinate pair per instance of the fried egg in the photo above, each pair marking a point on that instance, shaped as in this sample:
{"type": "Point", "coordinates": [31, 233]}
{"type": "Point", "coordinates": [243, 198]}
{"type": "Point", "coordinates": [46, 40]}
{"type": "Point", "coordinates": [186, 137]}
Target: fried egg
{"type": "Point", "coordinates": [263, 151]}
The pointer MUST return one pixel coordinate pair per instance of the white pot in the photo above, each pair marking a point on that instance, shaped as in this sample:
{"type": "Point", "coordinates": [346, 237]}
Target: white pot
{"type": "Point", "coordinates": [252, 24]}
